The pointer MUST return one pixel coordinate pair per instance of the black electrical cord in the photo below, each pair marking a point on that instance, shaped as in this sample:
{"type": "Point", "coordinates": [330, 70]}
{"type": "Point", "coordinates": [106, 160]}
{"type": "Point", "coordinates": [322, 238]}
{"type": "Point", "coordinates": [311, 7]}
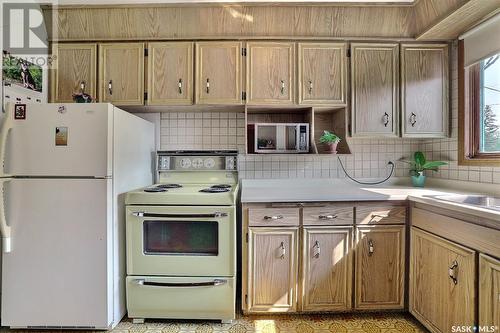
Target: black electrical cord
{"type": "Point", "coordinates": [368, 183]}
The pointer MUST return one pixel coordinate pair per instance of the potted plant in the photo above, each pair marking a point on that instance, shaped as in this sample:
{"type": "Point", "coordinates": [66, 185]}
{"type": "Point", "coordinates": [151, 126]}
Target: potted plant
{"type": "Point", "coordinates": [331, 140]}
{"type": "Point", "coordinates": [418, 165]}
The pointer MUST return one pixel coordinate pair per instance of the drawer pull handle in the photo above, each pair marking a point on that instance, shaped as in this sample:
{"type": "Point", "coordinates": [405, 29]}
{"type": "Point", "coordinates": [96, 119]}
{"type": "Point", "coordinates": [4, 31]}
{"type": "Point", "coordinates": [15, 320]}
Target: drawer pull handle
{"type": "Point", "coordinates": [282, 89]}
{"type": "Point", "coordinates": [180, 86]}
{"type": "Point", "coordinates": [316, 249]}
{"type": "Point", "coordinates": [274, 217]}
{"type": "Point", "coordinates": [386, 119]}
{"type": "Point", "coordinates": [452, 271]}
{"type": "Point", "coordinates": [178, 215]}
{"type": "Point", "coordinates": [327, 217]}
{"type": "Point", "coordinates": [282, 250]}
{"type": "Point", "coordinates": [216, 282]}
{"type": "Point", "coordinates": [371, 248]}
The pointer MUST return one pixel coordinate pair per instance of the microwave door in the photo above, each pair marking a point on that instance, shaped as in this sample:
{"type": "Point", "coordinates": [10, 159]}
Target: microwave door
{"type": "Point", "coordinates": [291, 137]}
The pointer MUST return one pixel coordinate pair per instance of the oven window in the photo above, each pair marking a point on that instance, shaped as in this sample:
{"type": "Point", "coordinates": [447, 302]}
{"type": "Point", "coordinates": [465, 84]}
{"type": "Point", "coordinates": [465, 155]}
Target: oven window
{"type": "Point", "coordinates": [181, 238]}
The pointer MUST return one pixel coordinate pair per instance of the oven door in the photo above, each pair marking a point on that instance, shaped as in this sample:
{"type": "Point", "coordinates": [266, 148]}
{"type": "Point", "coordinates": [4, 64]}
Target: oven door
{"type": "Point", "coordinates": [181, 241]}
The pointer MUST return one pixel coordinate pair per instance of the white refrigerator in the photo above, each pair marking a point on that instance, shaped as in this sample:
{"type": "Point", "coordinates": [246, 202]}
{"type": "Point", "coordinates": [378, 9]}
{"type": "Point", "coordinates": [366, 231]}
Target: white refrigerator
{"type": "Point", "coordinates": [66, 168]}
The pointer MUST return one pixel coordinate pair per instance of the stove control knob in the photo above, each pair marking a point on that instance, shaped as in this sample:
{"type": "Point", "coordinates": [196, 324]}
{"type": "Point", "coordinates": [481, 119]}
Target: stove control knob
{"type": "Point", "coordinates": [185, 163]}
{"type": "Point", "coordinates": [197, 163]}
{"type": "Point", "coordinates": [209, 163]}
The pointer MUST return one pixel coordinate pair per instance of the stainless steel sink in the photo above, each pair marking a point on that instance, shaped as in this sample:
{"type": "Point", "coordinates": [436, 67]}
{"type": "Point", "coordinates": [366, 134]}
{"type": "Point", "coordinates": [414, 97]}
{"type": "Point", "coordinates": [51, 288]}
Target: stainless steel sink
{"type": "Point", "coordinates": [482, 201]}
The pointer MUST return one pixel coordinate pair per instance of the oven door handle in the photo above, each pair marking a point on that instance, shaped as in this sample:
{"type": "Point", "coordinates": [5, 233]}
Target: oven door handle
{"type": "Point", "coordinates": [213, 215]}
{"type": "Point", "coordinates": [214, 283]}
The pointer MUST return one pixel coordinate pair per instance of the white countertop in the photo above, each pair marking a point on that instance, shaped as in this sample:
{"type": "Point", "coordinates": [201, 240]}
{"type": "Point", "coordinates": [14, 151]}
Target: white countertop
{"type": "Point", "coordinates": [314, 190]}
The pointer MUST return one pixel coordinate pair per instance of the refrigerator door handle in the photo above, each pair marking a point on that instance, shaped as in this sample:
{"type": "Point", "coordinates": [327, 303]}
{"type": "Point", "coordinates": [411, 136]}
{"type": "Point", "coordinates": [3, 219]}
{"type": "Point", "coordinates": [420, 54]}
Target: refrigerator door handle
{"type": "Point", "coordinates": [4, 228]}
{"type": "Point", "coordinates": [4, 132]}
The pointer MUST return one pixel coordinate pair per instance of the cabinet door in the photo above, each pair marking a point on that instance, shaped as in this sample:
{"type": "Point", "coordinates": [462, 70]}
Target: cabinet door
{"type": "Point", "coordinates": [271, 73]}
{"type": "Point", "coordinates": [424, 90]}
{"type": "Point", "coordinates": [441, 282]}
{"type": "Point", "coordinates": [374, 89]}
{"type": "Point", "coordinates": [74, 70]}
{"type": "Point", "coordinates": [322, 73]}
{"type": "Point", "coordinates": [326, 269]}
{"type": "Point", "coordinates": [170, 73]}
{"type": "Point", "coordinates": [121, 73]}
{"type": "Point", "coordinates": [218, 73]}
{"type": "Point", "coordinates": [380, 261]}
{"type": "Point", "coordinates": [272, 270]}
{"type": "Point", "coordinates": [489, 291]}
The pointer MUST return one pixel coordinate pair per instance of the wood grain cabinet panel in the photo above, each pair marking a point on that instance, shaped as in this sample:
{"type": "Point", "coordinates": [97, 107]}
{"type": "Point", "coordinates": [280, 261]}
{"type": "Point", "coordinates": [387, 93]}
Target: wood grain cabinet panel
{"type": "Point", "coordinates": [326, 269]}
{"type": "Point", "coordinates": [328, 214]}
{"type": "Point", "coordinates": [374, 89]}
{"type": "Point", "coordinates": [272, 270]}
{"type": "Point", "coordinates": [218, 73]}
{"type": "Point", "coordinates": [270, 73]}
{"type": "Point", "coordinates": [380, 254]}
{"type": "Point", "coordinates": [322, 72]}
{"type": "Point", "coordinates": [380, 213]}
{"type": "Point", "coordinates": [424, 90]}
{"type": "Point", "coordinates": [442, 280]}
{"type": "Point", "coordinates": [266, 217]}
{"type": "Point", "coordinates": [74, 70]}
{"type": "Point", "coordinates": [170, 73]}
{"type": "Point", "coordinates": [121, 73]}
{"type": "Point", "coordinates": [489, 291]}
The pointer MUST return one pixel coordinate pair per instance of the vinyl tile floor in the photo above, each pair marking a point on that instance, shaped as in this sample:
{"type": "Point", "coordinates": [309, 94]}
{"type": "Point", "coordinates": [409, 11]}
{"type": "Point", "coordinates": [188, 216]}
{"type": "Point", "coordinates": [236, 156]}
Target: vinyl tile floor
{"type": "Point", "coordinates": [320, 323]}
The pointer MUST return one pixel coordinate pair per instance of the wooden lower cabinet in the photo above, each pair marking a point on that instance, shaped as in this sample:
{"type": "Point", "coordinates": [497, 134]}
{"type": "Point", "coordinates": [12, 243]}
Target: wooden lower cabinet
{"type": "Point", "coordinates": [272, 269]}
{"type": "Point", "coordinates": [489, 291]}
{"type": "Point", "coordinates": [442, 282]}
{"type": "Point", "coordinates": [380, 258]}
{"type": "Point", "coordinates": [326, 269]}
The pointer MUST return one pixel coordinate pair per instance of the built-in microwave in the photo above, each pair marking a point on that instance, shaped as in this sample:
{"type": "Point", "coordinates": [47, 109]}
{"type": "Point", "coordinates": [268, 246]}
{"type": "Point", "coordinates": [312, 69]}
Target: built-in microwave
{"type": "Point", "coordinates": [281, 137]}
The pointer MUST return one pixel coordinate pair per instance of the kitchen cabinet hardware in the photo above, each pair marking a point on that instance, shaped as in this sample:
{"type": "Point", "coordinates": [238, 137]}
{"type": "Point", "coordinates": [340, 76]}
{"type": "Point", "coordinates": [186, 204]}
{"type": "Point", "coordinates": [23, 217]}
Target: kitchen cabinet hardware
{"type": "Point", "coordinates": [82, 86]}
{"type": "Point", "coordinates": [274, 217]}
{"type": "Point", "coordinates": [180, 86]}
{"type": "Point", "coordinates": [310, 87]}
{"type": "Point", "coordinates": [327, 217]}
{"type": "Point", "coordinates": [215, 282]}
{"type": "Point", "coordinates": [212, 215]}
{"type": "Point", "coordinates": [371, 248]}
{"type": "Point", "coordinates": [386, 119]}
{"type": "Point", "coordinates": [208, 86]}
{"type": "Point", "coordinates": [282, 250]}
{"type": "Point", "coordinates": [413, 119]}
{"type": "Point", "coordinates": [452, 271]}
{"type": "Point", "coordinates": [110, 87]}
{"type": "Point", "coordinates": [282, 89]}
{"type": "Point", "coordinates": [316, 249]}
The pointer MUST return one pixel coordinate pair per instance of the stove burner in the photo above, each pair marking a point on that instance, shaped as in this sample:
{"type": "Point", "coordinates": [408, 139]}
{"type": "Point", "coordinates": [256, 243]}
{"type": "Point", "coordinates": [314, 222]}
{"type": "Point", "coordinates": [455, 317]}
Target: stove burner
{"type": "Point", "coordinates": [214, 190]}
{"type": "Point", "coordinates": [221, 186]}
{"type": "Point", "coordinates": [154, 189]}
{"type": "Point", "coordinates": [169, 186]}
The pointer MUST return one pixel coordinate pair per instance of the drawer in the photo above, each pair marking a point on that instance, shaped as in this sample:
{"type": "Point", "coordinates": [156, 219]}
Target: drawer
{"type": "Point", "coordinates": [373, 214]}
{"type": "Point", "coordinates": [331, 214]}
{"type": "Point", "coordinates": [266, 217]}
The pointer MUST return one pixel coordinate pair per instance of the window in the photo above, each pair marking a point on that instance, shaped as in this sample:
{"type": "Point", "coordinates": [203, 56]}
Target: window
{"type": "Point", "coordinates": [479, 111]}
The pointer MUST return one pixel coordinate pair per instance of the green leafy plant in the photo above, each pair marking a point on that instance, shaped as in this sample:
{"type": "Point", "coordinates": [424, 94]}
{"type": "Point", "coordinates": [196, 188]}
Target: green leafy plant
{"type": "Point", "coordinates": [329, 137]}
{"type": "Point", "coordinates": [419, 164]}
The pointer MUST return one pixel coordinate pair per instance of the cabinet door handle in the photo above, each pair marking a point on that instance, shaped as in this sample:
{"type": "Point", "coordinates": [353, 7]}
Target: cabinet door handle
{"type": "Point", "coordinates": [180, 86]}
{"type": "Point", "coordinates": [82, 86]}
{"type": "Point", "coordinates": [371, 248]}
{"type": "Point", "coordinates": [274, 217]}
{"type": "Point", "coordinates": [413, 119]}
{"type": "Point", "coordinates": [310, 87]}
{"type": "Point", "coordinates": [282, 250]}
{"type": "Point", "coordinates": [327, 217]}
{"type": "Point", "coordinates": [282, 89]}
{"type": "Point", "coordinates": [386, 119]}
{"type": "Point", "coordinates": [208, 86]}
{"type": "Point", "coordinates": [316, 249]}
{"type": "Point", "coordinates": [452, 271]}
{"type": "Point", "coordinates": [110, 87]}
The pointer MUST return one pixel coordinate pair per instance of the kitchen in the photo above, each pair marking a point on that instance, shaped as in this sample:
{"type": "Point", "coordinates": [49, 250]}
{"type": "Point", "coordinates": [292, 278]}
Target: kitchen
{"type": "Point", "coordinates": [326, 166]}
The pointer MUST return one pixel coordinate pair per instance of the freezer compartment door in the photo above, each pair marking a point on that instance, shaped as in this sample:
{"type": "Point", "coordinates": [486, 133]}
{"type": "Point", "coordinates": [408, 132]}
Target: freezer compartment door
{"type": "Point", "coordinates": [58, 140]}
{"type": "Point", "coordinates": [181, 297]}
{"type": "Point", "coordinates": [57, 273]}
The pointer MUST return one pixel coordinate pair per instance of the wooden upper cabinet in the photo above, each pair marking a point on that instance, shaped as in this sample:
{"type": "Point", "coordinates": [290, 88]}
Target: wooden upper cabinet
{"type": "Point", "coordinates": [374, 89]}
{"type": "Point", "coordinates": [121, 73]}
{"type": "Point", "coordinates": [270, 73]}
{"type": "Point", "coordinates": [489, 291]}
{"type": "Point", "coordinates": [442, 279]}
{"type": "Point", "coordinates": [170, 73]}
{"type": "Point", "coordinates": [218, 73]}
{"type": "Point", "coordinates": [380, 258]}
{"type": "Point", "coordinates": [424, 90]}
{"type": "Point", "coordinates": [74, 70]}
{"type": "Point", "coordinates": [272, 269]}
{"type": "Point", "coordinates": [322, 73]}
{"type": "Point", "coordinates": [326, 269]}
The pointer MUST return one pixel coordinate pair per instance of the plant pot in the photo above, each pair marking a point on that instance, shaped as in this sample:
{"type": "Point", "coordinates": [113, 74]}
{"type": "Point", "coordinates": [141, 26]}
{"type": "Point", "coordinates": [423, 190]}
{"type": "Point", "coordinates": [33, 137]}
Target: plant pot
{"type": "Point", "coordinates": [332, 147]}
{"type": "Point", "coordinates": [418, 180]}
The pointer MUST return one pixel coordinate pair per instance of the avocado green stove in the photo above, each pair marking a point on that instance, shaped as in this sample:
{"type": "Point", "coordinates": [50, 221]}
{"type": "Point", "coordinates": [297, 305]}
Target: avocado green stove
{"type": "Point", "coordinates": [181, 238]}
